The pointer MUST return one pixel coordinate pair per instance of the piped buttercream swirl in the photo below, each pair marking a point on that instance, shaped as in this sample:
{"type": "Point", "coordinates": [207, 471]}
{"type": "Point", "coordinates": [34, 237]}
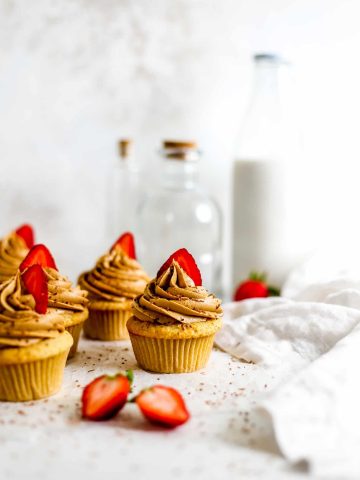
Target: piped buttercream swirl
{"type": "Point", "coordinates": [115, 278]}
{"type": "Point", "coordinates": [20, 325]}
{"type": "Point", "coordinates": [62, 294]}
{"type": "Point", "coordinates": [13, 250]}
{"type": "Point", "coordinates": [174, 298]}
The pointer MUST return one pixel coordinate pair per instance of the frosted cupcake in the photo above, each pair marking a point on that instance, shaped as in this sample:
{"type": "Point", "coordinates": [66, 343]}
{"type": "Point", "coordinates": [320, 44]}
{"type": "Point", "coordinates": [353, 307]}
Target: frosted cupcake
{"type": "Point", "coordinates": [13, 249]}
{"type": "Point", "coordinates": [62, 295]}
{"type": "Point", "coordinates": [113, 283]}
{"type": "Point", "coordinates": [174, 321]}
{"type": "Point", "coordinates": [33, 342]}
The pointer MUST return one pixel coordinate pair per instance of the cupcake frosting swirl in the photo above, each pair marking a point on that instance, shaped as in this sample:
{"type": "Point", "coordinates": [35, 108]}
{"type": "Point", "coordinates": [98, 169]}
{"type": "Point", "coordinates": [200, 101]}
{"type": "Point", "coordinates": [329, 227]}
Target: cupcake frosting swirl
{"type": "Point", "coordinates": [13, 250]}
{"type": "Point", "coordinates": [20, 325]}
{"type": "Point", "coordinates": [115, 278]}
{"type": "Point", "coordinates": [62, 294]}
{"type": "Point", "coordinates": [174, 298]}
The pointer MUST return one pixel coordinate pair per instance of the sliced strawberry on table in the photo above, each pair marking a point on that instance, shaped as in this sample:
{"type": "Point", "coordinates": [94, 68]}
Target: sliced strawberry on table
{"type": "Point", "coordinates": [26, 232]}
{"type": "Point", "coordinates": [105, 396]}
{"type": "Point", "coordinates": [186, 262]}
{"type": "Point", "coordinates": [35, 282]}
{"type": "Point", "coordinates": [38, 255]}
{"type": "Point", "coordinates": [163, 406]}
{"type": "Point", "coordinates": [127, 242]}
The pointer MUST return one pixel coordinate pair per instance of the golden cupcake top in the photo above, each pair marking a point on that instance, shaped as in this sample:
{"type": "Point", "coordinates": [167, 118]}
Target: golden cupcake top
{"type": "Point", "coordinates": [117, 276]}
{"type": "Point", "coordinates": [62, 294]}
{"type": "Point", "coordinates": [21, 324]}
{"type": "Point", "coordinates": [173, 297]}
{"type": "Point", "coordinates": [13, 250]}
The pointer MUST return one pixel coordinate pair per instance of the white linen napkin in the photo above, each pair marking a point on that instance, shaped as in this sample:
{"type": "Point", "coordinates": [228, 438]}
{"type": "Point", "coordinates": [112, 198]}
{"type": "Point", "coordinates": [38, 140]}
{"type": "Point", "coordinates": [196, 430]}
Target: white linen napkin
{"type": "Point", "coordinates": [312, 342]}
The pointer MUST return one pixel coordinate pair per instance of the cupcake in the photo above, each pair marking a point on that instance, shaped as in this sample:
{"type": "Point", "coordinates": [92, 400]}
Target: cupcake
{"type": "Point", "coordinates": [69, 299]}
{"type": "Point", "coordinates": [13, 249]}
{"type": "Point", "coordinates": [62, 295]}
{"type": "Point", "coordinates": [174, 321]}
{"type": "Point", "coordinates": [33, 342]}
{"type": "Point", "coordinates": [113, 283]}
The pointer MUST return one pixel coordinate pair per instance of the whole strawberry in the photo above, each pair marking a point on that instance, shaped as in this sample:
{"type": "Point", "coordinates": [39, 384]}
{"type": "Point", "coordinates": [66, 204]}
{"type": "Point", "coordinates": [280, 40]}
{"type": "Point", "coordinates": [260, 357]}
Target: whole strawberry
{"type": "Point", "coordinates": [255, 287]}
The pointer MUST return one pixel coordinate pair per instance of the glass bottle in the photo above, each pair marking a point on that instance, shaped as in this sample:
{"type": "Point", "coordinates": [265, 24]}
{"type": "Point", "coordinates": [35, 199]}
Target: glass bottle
{"type": "Point", "coordinates": [262, 206]}
{"type": "Point", "coordinates": [123, 191]}
{"type": "Point", "coordinates": [176, 212]}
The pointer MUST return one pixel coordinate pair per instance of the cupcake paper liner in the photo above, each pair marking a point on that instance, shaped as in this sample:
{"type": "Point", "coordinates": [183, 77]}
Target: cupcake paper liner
{"type": "Point", "coordinates": [74, 328]}
{"type": "Point", "coordinates": [75, 332]}
{"type": "Point", "coordinates": [35, 371]}
{"type": "Point", "coordinates": [33, 380]}
{"type": "Point", "coordinates": [172, 355]}
{"type": "Point", "coordinates": [107, 324]}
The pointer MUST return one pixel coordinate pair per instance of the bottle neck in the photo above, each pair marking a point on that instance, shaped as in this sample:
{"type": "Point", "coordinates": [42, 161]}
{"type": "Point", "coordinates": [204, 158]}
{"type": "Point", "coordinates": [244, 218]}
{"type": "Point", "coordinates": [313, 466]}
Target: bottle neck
{"type": "Point", "coordinates": [266, 83]}
{"type": "Point", "coordinates": [127, 164]}
{"type": "Point", "coordinates": [262, 136]}
{"type": "Point", "coordinates": [180, 174]}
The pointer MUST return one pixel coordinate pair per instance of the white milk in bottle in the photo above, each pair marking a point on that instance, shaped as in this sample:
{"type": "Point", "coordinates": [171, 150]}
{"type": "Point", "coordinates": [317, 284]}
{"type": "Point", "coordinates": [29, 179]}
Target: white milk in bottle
{"type": "Point", "coordinates": [263, 184]}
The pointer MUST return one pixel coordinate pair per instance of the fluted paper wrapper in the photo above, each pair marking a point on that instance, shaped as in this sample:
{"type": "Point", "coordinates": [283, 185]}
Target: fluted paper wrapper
{"type": "Point", "coordinates": [107, 324]}
{"type": "Point", "coordinates": [75, 328]}
{"type": "Point", "coordinates": [163, 355]}
{"type": "Point", "coordinates": [75, 332]}
{"type": "Point", "coordinates": [33, 380]}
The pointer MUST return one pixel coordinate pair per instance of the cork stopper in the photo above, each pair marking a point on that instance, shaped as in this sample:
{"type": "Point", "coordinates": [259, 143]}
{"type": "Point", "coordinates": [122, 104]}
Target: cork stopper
{"type": "Point", "coordinates": [179, 144]}
{"type": "Point", "coordinates": [180, 150]}
{"type": "Point", "coordinates": [124, 145]}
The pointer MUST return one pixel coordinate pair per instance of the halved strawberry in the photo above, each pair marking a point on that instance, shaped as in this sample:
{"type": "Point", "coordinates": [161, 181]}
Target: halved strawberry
{"type": "Point", "coordinates": [26, 232]}
{"type": "Point", "coordinates": [105, 396]}
{"type": "Point", "coordinates": [38, 255]}
{"type": "Point", "coordinates": [187, 262]}
{"type": "Point", "coordinates": [163, 405]}
{"type": "Point", "coordinates": [35, 282]}
{"type": "Point", "coordinates": [127, 242]}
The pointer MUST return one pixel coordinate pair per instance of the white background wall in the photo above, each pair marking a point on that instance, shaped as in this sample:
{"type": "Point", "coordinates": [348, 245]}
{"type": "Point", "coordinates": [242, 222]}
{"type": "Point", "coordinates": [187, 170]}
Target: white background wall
{"type": "Point", "coordinates": [76, 75]}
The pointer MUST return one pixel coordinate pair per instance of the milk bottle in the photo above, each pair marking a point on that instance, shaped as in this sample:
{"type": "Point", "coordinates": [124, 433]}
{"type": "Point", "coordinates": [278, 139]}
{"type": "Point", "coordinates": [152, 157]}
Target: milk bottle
{"type": "Point", "coordinates": [265, 184]}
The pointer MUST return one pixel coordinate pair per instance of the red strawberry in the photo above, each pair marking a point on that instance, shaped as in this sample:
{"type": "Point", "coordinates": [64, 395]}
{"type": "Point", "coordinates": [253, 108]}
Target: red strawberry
{"type": "Point", "coordinates": [163, 406]}
{"type": "Point", "coordinates": [105, 396]}
{"type": "Point", "coordinates": [127, 242]}
{"type": "Point", "coordinates": [38, 255]}
{"type": "Point", "coordinates": [250, 289]}
{"type": "Point", "coordinates": [187, 262]}
{"type": "Point", "coordinates": [255, 287]}
{"type": "Point", "coordinates": [35, 282]}
{"type": "Point", "coordinates": [26, 232]}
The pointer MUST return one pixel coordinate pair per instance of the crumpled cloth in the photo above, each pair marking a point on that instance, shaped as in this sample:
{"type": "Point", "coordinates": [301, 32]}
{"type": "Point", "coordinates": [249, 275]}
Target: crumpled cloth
{"type": "Point", "coordinates": [310, 338]}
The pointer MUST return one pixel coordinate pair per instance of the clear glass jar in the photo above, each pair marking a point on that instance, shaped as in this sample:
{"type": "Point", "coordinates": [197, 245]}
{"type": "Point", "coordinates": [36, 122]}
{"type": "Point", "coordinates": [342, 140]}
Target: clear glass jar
{"type": "Point", "coordinates": [176, 212]}
{"type": "Point", "coordinates": [123, 192]}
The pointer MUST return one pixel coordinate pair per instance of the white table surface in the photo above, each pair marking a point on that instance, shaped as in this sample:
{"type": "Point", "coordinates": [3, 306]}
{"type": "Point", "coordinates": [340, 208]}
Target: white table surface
{"type": "Point", "coordinates": [224, 438]}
